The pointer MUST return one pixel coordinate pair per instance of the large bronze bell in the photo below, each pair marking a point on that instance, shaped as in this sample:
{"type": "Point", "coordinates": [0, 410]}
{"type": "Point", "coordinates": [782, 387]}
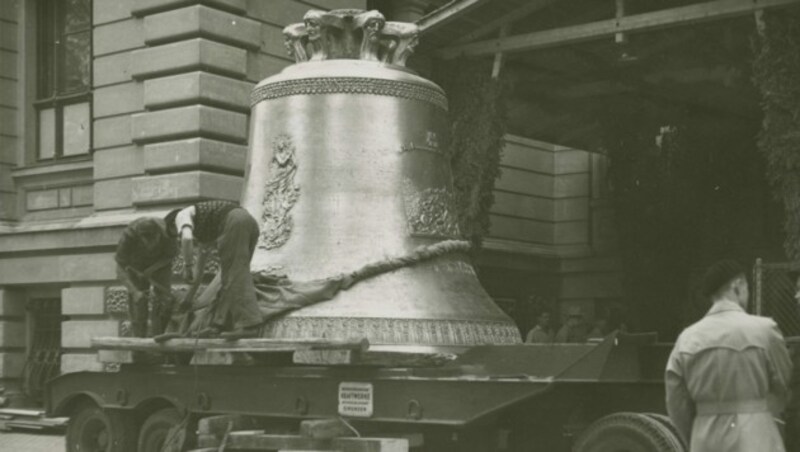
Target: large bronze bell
{"type": "Point", "coordinates": [348, 166]}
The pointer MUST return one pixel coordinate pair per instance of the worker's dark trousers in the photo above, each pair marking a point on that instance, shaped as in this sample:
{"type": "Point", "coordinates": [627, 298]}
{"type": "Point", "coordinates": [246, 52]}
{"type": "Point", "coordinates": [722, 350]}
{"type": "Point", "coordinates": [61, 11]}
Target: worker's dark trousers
{"type": "Point", "coordinates": [138, 309]}
{"type": "Point", "coordinates": [237, 306]}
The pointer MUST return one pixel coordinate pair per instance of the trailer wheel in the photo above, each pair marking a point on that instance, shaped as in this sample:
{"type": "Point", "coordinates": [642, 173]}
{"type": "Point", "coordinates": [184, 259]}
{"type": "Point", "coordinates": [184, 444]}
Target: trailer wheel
{"type": "Point", "coordinates": [93, 429]}
{"type": "Point", "coordinates": [627, 432]}
{"type": "Point", "coordinates": [159, 428]}
{"type": "Point", "coordinates": [667, 423]}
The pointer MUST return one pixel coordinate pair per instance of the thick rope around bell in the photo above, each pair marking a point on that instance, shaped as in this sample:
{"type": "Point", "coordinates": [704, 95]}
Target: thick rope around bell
{"type": "Point", "coordinates": [421, 254]}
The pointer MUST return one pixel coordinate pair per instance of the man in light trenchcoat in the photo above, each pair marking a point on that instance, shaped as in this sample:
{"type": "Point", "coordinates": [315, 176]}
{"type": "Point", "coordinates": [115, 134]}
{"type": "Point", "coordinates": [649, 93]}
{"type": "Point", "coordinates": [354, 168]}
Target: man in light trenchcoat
{"type": "Point", "coordinates": [728, 375]}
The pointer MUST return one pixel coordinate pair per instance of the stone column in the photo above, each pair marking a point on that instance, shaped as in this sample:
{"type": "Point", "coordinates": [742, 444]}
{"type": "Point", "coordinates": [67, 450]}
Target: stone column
{"type": "Point", "coordinates": [196, 96]}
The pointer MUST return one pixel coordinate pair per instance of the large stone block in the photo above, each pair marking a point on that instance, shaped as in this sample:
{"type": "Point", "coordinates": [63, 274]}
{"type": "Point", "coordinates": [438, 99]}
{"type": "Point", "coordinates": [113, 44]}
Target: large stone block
{"type": "Point", "coordinates": [118, 36]}
{"type": "Point", "coordinates": [112, 132]}
{"type": "Point", "coordinates": [338, 4]}
{"type": "Point", "coordinates": [118, 99]}
{"type": "Point", "coordinates": [525, 183]}
{"type": "Point", "coordinates": [12, 303]}
{"type": "Point", "coordinates": [41, 199]}
{"type": "Point", "coordinates": [11, 364]}
{"type": "Point", "coordinates": [79, 333]}
{"type": "Point", "coordinates": [197, 88]}
{"type": "Point", "coordinates": [8, 149]}
{"type": "Point", "coordinates": [8, 206]}
{"type": "Point", "coordinates": [12, 333]}
{"type": "Point", "coordinates": [523, 230]}
{"type": "Point", "coordinates": [10, 11]}
{"type": "Point", "coordinates": [64, 268]}
{"type": "Point", "coordinates": [6, 180]}
{"type": "Point", "coordinates": [144, 7]}
{"type": "Point", "coordinates": [186, 186]}
{"type": "Point", "coordinates": [272, 40]}
{"type": "Point", "coordinates": [523, 206]}
{"type": "Point", "coordinates": [201, 21]}
{"type": "Point", "coordinates": [541, 157]}
{"type": "Point", "coordinates": [9, 118]}
{"type": "Point", "coordinates": [278, 12]}
{"type": "Point", "coordinates": [572, 232]}
{"type": "Point", "coordinates": [192, 121]}
{"type": "Point", "coordinates": [9, 67]}
{"type": "Point", "coordinates": [8, 36]}
{"type": "Point", "coordinates": [112, 194]}
{"type": "Point", "coordinates": [113, 163]}
{"type": "Point", "coordinates": [261, 65]}
{"type": "Point", "coordinates": [190, 55]}
{"type": "Point", "coordinates": [571, 185]}
{"type": "Point", "coordinates": [111, 10]}
{"type": "Point", "coordinates": [194, 153]}
{"type": "Point", "coordinates": [570, 161]}
{"type": "Point", "coordinates": [82, 195]}
{"type": "Point", "coordinates": [80, 362]}
{"type": "Point", "coordinates": [518, 156]}
{"type": "Point", "coordinates": [83, 301]}
{"type": "Point", "coordinates": [569, 209]}
{"type": "Point", "coordinates": [9, 97]}
{"type": "Point", "coordinates": [111, 69]}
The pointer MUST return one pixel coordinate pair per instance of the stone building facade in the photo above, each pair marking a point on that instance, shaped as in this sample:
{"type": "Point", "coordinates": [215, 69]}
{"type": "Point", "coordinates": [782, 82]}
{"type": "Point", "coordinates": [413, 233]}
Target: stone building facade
{"type": "Point", "coordinates": [112, 109]}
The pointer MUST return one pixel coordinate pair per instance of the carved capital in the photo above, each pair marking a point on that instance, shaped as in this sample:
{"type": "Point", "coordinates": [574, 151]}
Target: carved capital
{"type": "Point", "coordinates": [350, 34]}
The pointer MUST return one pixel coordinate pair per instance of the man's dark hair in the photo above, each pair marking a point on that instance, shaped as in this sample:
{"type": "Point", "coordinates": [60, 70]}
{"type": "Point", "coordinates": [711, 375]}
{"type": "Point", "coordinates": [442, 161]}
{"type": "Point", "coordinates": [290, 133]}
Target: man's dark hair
{"type": "Point", "coordinates": [169, 219]}
{"type": "Point", "coordinates": [720, 274]}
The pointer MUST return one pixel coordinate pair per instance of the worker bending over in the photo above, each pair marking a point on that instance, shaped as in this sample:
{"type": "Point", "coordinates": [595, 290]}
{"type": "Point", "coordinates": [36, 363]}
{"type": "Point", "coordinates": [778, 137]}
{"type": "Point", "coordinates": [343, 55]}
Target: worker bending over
{"type": "Point", "coordinates": [234, 233]}
{"type": "Point", "coordinates": [144, 261]}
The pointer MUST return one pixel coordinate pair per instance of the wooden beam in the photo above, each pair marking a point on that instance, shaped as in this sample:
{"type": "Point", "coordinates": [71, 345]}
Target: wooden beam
{"type": "Point", "coordinates": [685, 15]}
{"type": "Point", "coordinates": [506, 19]}
{"type": "Point", "coordinates": [371, 358]}
{"type": "Point", "coordinates": [447, 13]}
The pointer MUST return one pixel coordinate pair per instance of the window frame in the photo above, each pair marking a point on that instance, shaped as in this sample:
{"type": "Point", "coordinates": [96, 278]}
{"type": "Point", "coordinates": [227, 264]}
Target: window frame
{"type": "Point", "coordinates": [49, 18]}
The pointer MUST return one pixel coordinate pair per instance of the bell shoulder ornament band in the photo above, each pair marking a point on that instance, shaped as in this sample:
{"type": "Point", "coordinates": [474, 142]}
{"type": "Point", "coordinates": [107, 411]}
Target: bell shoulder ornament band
{"type": "Point", "coordinates": [349, 85]}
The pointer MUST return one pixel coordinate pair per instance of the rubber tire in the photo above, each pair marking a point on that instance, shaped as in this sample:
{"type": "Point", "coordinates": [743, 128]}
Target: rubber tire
{"type": "Point", "coordinates": [664, 420]}
{"type": "Point", "coordinates": [156, 428]}
{"type": "Point", "coordinates": [627, 432]}
{"type": "Point", "coordinates": [93, 429]}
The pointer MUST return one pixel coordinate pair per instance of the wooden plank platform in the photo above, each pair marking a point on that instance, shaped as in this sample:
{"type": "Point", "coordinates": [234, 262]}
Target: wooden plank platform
{"type": "Point", "coordinates": [312, 351]}
{"type": "Point", "coordinates": [255, 440]}
{"type": "Point", "coordinates": [261, 345]}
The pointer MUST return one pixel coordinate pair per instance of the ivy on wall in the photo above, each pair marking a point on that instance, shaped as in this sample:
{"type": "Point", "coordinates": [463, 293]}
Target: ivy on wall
{"type": "Point", "coordinates": [776, 74]}
{"type": "Point", "coordinates": [688, 188]}
{"type": "Point", "coordinates": [478, 124]}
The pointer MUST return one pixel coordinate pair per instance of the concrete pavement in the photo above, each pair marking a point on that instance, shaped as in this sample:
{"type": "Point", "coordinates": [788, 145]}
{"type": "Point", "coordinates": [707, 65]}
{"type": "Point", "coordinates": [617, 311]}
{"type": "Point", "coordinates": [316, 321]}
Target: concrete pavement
{"type": "Point", "coordinates": [31, 442]}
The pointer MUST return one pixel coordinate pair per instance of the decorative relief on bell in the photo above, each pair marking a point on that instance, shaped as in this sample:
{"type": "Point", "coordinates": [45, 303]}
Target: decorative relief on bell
{"type": "Point", "coordinates": [430, 211]}
{"type": "Point", "coordinates": [280, 194]}
{"type": "Point", "coordinates": [398, 331]}
{"type": "Point", "coordinates": [350, 34]}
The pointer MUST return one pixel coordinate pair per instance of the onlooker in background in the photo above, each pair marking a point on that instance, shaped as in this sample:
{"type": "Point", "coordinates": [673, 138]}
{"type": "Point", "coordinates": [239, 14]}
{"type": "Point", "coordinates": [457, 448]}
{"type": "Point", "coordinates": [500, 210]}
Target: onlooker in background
{"type": "Point", "coordinates": [600, 328]}
{"type": "Point", "coordinates": [574, 329]}
{"type": "Point", "coordinates": [542, 333]}
{"type": "Point", "coordinates": [728, 373]}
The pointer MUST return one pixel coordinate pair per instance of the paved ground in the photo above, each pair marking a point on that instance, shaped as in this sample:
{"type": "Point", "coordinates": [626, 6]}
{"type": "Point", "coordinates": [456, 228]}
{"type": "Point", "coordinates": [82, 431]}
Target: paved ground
{"type": "Point", "coordinates": [31, 442]}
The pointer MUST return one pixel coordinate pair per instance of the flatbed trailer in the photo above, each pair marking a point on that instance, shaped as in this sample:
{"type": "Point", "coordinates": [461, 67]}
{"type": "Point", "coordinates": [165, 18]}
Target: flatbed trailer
{"type": "Point", "coordinates": [482, 398]}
